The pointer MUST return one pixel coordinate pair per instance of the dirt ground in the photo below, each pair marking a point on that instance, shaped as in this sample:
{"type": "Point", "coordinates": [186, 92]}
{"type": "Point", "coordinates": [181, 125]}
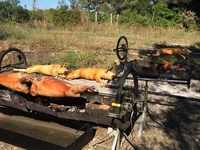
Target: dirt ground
{"type": "Point", "coordinates": [173, 120]}
{"type": "Point", "coordinates": [173, 124]}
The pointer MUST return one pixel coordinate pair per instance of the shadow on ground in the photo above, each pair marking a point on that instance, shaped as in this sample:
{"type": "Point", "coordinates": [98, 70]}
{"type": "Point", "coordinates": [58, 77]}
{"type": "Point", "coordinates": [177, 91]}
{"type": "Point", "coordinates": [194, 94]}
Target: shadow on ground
{"type": "Point", "coordinates": [183, 123]}
{"type": "Point", "coordinates": [177, 127]}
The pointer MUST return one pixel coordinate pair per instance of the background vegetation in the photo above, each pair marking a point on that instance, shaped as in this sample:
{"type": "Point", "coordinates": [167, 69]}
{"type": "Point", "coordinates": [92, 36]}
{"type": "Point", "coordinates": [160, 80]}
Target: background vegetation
{"type": "Point", "coordinates": [164, 13]}
{"type": "Point", "coordinates": [89, 29]}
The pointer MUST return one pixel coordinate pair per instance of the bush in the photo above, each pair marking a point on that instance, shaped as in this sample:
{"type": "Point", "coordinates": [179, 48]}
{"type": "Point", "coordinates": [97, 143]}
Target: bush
{"type": "Point", "coordinates": [165, 17]}
{"type": "Point", "coordinates": [75, 60]}
{"type": "Point", "coordinates": [37, 14]}
{"type": "Point", "coordinates": [158, 14]}
{"type": "Point", "coordinates": [189, 20]}
{"type": "Point", "coordinates": [72, 60]}
{"type": "Point", "coordinates": [63, 16]}
{"type": "Point", "coordinates": [10, 31]}
{"type": "Point", "coordinates": [13, 13]}
{"type": "Point", "coordinates": [134, 18]}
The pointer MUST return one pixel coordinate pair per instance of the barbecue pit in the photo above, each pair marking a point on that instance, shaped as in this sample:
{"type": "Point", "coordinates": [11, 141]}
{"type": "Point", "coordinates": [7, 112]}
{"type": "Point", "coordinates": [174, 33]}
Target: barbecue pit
{"type": "Point", "coordinates": [116, 105]}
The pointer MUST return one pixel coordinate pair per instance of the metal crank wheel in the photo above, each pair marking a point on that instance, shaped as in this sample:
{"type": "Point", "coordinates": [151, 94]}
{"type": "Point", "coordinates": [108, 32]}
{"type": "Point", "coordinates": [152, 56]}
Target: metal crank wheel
{"type": "Point", "coordinates": [122, 48]}
{"type": "Point", "coordinates": [12, 58]}
{"type": "Point", "coordinates": [128, 87]}
{"type": "Point", "coordinates": [126, 103]}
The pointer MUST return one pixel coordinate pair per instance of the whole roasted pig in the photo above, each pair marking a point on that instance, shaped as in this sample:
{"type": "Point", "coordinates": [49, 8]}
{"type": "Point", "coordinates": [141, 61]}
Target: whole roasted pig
{"type": "Point", "coordinates": [51, 87]}
{"type": "Point", "coordinates": [16, 81]}
{"type": "Point", "coordinates": [96, 74]}
{"type": "Point", "coordinates": [52, 70]}
{"type": "Point", "coordinates": [183, 52]}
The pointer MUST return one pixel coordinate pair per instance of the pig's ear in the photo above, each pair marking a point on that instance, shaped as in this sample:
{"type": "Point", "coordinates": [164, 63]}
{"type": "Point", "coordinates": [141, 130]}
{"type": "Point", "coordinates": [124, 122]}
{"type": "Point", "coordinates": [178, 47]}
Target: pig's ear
{"type": "Point", "coordinates": [66, 73]}
{"type": "Point", "coordinates": [63, 65]}
{"type": "Point", "coordinates": [109, 69]}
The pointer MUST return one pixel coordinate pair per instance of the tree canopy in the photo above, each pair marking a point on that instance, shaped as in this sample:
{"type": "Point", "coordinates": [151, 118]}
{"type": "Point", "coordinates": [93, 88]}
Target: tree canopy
{"type": "Point", "coordinates": [165, 13]}
{"type": "Point", "coordinates": [11, 11]}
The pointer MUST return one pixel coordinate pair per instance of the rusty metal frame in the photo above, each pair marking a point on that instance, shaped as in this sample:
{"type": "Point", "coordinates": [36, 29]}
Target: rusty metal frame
{"type": "Point", "coordinates": [14, 100]}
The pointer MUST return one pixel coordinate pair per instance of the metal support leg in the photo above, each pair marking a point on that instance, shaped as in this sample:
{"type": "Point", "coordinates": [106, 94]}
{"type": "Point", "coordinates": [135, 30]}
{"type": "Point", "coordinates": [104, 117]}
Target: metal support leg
{"type": "Point", "coordinates": [116, 142]}
{"type": "Point", "coordinates": [143, 123]}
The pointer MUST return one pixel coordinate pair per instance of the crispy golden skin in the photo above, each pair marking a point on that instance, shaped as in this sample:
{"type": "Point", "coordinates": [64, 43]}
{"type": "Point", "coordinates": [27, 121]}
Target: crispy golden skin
{"type": "Point", "coordinates": [53, 70]}
{"type": "Point", "coordinates": [173, 51]}
{"type": "Point", "coordinates": [51, 87]}
{"type": "Point", "coordinates": [91, 74]}
{"type": "Point", "coordinates": [15, 81]}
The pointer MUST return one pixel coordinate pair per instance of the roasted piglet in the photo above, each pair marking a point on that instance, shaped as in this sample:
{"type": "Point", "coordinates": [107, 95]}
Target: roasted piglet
{"type": "Point", "coordinates": [15, 81]}
{"type": "Point", "coordinates": [52, 70]}
{"type": "Point", "coordinates": [51, 87]}
{"type": "Point", "coordinates": [91, 74]}
{"type": "Point", "coordinates": [173, 51]}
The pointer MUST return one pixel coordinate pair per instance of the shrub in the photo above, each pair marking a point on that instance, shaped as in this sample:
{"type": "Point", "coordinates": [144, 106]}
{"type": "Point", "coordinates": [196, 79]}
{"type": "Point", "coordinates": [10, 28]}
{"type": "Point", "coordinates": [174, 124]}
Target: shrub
{"type": "Point", "coordinates": [189, 20]}
{"type": "Point", "coordinates": [72, 59]}
{"type": "Point", "coordinates": [163, 16]}
{"type": "Point", "coordinates": [63, 16]}
{"type": "Point", "coordinates": [13, 12]}
{"type": "Point", "coordinates": [10, 31]}
{"type": "Point", "coordinates": [91, 58]}
{"type": "Point", "coordinates": [134, 18]}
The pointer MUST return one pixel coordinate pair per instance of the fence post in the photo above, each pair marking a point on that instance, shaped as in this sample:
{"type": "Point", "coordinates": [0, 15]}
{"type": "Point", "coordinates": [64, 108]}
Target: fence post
{"type": "Point", "coordinates": [117, 18]}
{"type": "Point", "coordinates": [96, 16]}
{"type": "Point", "coordinates": [111, 18]}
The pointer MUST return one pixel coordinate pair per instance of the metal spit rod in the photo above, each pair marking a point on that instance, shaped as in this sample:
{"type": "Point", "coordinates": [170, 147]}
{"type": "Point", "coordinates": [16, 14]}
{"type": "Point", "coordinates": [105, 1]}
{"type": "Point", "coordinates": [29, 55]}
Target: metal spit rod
{"type": "Point", "coordinates": [164, 80]}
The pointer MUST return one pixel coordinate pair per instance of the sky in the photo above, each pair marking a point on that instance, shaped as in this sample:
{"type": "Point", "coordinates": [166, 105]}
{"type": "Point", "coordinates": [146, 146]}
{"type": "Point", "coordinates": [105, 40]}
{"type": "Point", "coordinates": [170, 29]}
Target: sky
{"type": "Point", "coordinates": [41, 4]}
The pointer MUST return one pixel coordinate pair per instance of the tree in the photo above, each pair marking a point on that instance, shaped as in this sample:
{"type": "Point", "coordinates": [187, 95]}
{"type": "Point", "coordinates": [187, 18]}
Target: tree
{"type": "Point", "coordinates": [63, 16]}
{"type": "Point", "coordinates": [89, 5]}
{"type": "Point", "coordinates": [34, 5]}
{"type": "Point", "coordinates": [165, 16]}
{"type": "Point", "coordinates": [73, 4]}
{"type": "Point", "coordinates": [13, 3]}
{"type": "Point", "coordinates": [192, 5]}
{"type": "Point", "coordinates": [10, 11]}
{"type": "Point", "coordinates": [62, 4]}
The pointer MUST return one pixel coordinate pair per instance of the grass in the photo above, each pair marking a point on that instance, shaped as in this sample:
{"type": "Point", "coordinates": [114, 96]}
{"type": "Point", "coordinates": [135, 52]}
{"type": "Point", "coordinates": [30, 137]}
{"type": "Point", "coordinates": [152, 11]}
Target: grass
{"type": "Point", "coordinates": [9, 31]}
{"type": "Point", "coordinates": [82, 59]}
{"type": "Point", "coordinates": [92, 41]}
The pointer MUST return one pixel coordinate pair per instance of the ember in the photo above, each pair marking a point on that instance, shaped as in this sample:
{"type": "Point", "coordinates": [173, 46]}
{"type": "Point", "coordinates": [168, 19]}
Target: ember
{"type": "Point", "coordinates": [146, 69]}
{"type": "Point", "coordinates": [166, 64]}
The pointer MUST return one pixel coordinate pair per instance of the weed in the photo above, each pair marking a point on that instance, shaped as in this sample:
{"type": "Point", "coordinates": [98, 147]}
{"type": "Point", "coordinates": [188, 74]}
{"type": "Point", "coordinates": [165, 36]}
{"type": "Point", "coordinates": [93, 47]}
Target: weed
{"type": "Point", "coordinates": [91, 45]}
{"type": "Point", "coordinates": [8, 31]}
{"type": "Point", "coordinates": [82, 59]}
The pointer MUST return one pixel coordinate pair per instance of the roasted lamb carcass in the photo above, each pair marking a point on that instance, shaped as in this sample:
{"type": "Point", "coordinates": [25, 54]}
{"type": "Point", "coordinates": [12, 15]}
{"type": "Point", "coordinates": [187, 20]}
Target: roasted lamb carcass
{"type": "Point", "coordinates": [53, 70]}
{"type": "Point", "coordinates": [16, 81]}
{"type": "Point", "coordinates": [51, 87]}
